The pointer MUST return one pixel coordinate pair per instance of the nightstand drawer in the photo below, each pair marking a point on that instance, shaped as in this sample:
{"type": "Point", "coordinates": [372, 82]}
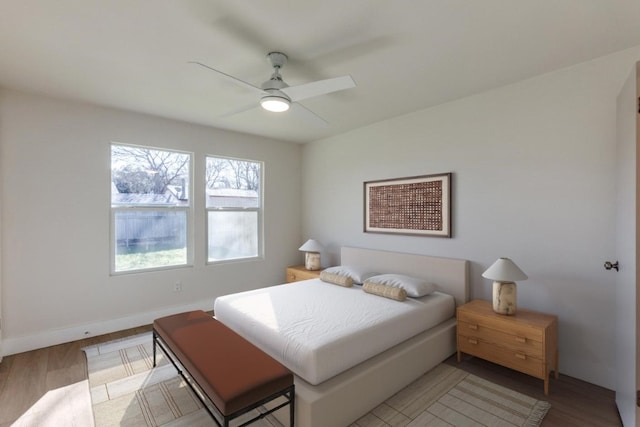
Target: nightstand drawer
{"type": "Point", "coordinates": [517, 360]}
{"type": "Point", "coordinates": [519, 330]}
{"type": "Point", "coordinates": [298, 273]}
{"type": "Point", "coordinates": [500, 338]}
{"type": "Point", "coordinates": [526, 341]}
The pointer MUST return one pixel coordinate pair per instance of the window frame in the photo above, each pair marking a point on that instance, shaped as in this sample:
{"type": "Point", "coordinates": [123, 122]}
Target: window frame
{"type": "Point", "coordinates": [259, 210]}
{"type": "Point", "coordinates": [189, 236]}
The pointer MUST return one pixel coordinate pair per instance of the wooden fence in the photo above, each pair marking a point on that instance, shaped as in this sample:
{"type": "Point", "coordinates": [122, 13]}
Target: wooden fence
{"type": "Point", "coordinates": [146, 229]}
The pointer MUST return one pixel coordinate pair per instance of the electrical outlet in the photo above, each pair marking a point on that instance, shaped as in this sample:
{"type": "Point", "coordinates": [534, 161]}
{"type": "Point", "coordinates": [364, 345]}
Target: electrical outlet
{"type": "Point", "coordinates": [177, 287]}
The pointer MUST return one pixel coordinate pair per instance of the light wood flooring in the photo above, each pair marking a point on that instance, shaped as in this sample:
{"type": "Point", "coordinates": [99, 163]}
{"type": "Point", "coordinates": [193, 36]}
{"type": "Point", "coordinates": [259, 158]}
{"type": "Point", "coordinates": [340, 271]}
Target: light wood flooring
{"type": "Point", "coordinates": [26, 377]}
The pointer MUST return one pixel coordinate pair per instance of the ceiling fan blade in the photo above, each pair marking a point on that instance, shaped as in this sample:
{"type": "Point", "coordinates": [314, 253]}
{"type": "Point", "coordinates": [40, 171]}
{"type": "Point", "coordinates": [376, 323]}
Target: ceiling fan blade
{"type": "Point", "coordinates": [232, 79]}
{"type": "Point", "coordinates": [320, 87]}
{"type": "Point", "coordinates": [307, 115]}
{"type": "Point", "coordinates": [239, 110]}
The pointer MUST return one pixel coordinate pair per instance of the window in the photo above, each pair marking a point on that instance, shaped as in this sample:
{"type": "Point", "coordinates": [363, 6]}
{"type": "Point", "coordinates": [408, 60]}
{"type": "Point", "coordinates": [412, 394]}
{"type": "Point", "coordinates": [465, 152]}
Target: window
{"type": "Point", "coordinates": [150, 209]}
{"type": "Point", "coordinates": [234, 209]}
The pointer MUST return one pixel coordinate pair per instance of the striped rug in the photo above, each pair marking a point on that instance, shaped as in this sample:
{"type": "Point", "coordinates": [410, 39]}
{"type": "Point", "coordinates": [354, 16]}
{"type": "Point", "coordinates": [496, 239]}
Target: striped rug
{"type": "Point", "coordinates": [127, 391]}
{"type": "Point", "coordinates": [447, 396]}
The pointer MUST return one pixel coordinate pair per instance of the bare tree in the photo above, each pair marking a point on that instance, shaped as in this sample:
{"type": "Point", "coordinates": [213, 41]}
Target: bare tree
{"type": "Point", "coordinates": [162, 168]}
{"type": "Point", "coordinates": [246, 174]}
{"type": "Point", "coordinates": [230, 173]}
{"type": "Point", "coordinates": [215, 172]}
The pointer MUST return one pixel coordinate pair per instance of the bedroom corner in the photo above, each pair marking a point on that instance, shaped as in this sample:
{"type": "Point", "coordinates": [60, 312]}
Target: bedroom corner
{"type": "Point", "coordinates": [494, 143]}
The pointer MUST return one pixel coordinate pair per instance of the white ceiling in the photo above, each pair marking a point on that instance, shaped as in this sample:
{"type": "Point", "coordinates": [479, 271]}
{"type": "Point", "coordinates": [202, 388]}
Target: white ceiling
{"type": "Point", "coordinates": [404, 55]}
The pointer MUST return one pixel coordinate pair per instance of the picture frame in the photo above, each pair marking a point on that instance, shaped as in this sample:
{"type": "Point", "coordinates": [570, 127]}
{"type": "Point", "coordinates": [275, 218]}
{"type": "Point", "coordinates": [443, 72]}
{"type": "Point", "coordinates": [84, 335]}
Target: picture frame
{"type": "Point", "coordinates": [418, 205]}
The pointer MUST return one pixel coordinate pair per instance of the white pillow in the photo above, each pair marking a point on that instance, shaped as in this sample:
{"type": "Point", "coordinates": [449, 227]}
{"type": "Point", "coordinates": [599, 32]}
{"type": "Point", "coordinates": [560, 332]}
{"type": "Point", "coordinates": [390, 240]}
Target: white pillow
{"type": "Point", "coordinates": [414, 286]}
{"type": "Point", "coordinates": [357, 274]}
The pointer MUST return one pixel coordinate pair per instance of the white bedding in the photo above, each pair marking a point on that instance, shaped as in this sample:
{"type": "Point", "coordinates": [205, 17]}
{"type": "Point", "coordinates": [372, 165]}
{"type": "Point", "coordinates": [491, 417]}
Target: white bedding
{"type": "Point", "coordinates": [319, 330]}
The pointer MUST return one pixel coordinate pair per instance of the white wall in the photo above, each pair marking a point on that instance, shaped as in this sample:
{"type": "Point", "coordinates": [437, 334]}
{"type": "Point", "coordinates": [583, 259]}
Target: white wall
{"type": "Point", "coordinates": [533, 167]}
{"type": "Point", "coordinates": [55, 172]}
{"type": "Point", "coordinates": [1, 348]}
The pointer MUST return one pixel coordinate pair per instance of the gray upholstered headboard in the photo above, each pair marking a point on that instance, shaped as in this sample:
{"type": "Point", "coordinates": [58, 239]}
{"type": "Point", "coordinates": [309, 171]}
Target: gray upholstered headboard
{"type": "Point", "coordinates": [450, 275]}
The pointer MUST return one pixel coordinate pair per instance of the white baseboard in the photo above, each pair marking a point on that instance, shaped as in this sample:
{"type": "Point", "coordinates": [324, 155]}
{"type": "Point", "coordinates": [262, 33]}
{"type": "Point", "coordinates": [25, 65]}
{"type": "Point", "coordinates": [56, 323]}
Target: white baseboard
{"type": "Point", "coordinates": [51, 337]}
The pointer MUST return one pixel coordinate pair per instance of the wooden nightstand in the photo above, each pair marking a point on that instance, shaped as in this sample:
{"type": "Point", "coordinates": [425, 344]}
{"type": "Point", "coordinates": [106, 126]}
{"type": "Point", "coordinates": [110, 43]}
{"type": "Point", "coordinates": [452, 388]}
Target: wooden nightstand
{"type": "Point", "coordinates": [526, 341]}
{"type": "Point", "coordinates": [298, 272]}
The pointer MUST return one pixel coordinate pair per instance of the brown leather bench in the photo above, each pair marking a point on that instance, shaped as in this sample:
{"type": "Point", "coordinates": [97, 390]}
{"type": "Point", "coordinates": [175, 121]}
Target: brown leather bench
{"type": "Point", "coordinates": [233, 374]}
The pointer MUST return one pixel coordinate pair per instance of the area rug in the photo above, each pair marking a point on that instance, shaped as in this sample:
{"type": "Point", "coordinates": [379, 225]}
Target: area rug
{"type": "Point", "coordinates": [127, 391]}
{"type": "Point", "coordinates": [447, 396]}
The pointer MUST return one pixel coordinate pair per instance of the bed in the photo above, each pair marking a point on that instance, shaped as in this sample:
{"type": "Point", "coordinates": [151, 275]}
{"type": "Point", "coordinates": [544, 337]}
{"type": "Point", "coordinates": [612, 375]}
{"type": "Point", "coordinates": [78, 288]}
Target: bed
{"type": "Point", "coordinates": [348, 360]}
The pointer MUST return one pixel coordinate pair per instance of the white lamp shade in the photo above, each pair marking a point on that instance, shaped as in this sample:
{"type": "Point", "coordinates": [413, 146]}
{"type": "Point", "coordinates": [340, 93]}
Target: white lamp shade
{"type": "Point", "coordinates": [504, 270]}
{"type": "Point", "coordinates": [311, 246]}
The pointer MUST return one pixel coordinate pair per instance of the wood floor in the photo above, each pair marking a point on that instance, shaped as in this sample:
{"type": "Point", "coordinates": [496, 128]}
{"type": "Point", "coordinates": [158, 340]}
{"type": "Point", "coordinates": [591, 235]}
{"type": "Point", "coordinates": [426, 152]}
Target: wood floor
{"type": "Point", "coordinates": [26, 377]}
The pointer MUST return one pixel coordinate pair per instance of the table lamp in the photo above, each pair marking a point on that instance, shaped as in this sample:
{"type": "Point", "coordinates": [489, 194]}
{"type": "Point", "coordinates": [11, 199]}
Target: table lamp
{"type": "Point", "coordinates": [312, 251]}
{"type": "Point", "coordinates": [504, 273]}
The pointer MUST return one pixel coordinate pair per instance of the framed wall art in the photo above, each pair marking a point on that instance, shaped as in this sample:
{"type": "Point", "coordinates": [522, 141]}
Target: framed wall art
{"type": "Point", "coordinates": [419, 205]}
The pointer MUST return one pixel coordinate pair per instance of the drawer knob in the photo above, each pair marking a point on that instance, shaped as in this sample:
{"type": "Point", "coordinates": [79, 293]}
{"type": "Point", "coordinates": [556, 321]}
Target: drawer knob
{"type": "Point", "coordinates": [473, 341]}
{"type": "Point", "coordinates": [521, 356]}
{"type": "Point", "coordinates": [473, 326]}
{"type": "Point", "coordinates": [521, 340]}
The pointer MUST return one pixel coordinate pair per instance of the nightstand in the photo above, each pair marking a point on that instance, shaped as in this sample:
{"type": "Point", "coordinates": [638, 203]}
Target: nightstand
{"type": "Point", "coordinates": [526, 341]}
{"type": "Point", "coordinates": [298, 272]}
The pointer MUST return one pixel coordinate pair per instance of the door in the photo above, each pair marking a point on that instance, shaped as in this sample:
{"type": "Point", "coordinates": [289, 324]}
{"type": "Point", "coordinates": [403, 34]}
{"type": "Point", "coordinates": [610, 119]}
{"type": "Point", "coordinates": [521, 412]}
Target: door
{"type": "Point", "coordinates": [626, 252]}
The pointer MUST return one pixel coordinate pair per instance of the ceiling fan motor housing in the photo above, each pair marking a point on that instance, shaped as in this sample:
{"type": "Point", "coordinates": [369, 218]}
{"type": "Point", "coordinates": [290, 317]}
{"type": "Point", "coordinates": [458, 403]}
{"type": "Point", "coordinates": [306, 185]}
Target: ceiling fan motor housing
{"type": "Point", "coordinates": [275, 83]}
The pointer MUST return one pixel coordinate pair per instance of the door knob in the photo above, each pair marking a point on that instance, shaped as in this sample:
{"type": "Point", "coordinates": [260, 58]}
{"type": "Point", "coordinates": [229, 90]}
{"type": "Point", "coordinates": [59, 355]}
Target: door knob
{"type": "Point", "coordinates": [609, 265]}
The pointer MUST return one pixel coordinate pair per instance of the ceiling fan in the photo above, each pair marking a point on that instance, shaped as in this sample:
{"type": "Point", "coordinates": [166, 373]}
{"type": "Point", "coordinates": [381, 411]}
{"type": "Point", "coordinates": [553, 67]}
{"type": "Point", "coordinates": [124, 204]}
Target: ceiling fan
{"type": "Point", "coordinates": [277, 96]}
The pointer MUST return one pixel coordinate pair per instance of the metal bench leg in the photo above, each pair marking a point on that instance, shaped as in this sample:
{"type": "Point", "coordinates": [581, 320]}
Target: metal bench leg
{"type": "Point", "coordinates": [292, 406]}
{"type": "Point", "coordinates": [155, 340]}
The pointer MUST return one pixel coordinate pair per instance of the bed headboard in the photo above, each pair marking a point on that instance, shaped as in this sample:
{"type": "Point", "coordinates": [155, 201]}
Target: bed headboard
{"type": "Point", "coordinates": [450, 275]}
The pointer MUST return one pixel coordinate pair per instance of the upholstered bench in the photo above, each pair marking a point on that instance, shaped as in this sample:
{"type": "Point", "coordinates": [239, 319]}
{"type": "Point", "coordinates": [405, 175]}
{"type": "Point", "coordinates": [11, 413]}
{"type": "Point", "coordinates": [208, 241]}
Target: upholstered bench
{"type": "Point", "coordinates": [233, 374]}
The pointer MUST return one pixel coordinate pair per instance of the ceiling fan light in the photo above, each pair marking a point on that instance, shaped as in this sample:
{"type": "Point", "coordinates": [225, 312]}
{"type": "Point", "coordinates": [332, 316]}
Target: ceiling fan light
{"type": "Point", "coordinates": [276, 104]}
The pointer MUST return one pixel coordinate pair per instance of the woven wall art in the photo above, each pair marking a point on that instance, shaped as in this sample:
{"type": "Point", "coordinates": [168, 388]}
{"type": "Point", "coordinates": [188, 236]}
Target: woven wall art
{"type": "Point", "coordinates": [415, 205]}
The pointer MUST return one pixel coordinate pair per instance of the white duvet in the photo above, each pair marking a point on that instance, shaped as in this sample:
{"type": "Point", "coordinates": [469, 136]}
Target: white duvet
{"type": "Point", "coordinates": [319, 330]}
